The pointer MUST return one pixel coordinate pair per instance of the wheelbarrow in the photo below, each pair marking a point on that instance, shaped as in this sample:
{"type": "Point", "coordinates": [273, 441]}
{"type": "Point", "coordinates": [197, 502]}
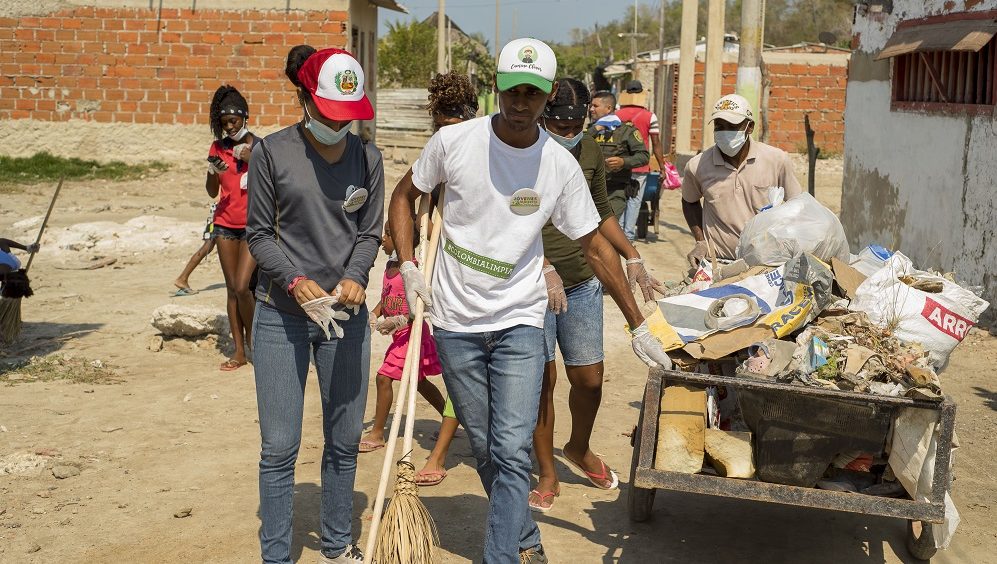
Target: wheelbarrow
{"type": "Point", "coordinates": [645, 480]}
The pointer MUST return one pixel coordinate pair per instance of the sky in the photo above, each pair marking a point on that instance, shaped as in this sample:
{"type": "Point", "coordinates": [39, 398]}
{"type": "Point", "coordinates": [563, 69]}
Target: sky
{"type": "Point", "coordinates": [544, 19]}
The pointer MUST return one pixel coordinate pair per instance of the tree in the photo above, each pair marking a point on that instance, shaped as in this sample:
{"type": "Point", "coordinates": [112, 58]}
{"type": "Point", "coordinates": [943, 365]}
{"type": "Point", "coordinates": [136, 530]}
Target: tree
{"type": "Point", "coordinates": [406, 57]}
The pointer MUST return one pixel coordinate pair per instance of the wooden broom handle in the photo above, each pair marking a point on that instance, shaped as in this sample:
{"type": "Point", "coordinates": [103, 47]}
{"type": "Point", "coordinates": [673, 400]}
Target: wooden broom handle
{"type": "Point", "coordinates": [389, 448]}
{"type": "Point", "coordinates": [48, 214]}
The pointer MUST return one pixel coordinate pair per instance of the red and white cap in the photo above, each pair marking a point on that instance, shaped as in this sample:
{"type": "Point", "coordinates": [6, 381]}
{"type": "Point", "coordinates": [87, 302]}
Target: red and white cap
{"type": "Point", "coordinates": [335, 80]}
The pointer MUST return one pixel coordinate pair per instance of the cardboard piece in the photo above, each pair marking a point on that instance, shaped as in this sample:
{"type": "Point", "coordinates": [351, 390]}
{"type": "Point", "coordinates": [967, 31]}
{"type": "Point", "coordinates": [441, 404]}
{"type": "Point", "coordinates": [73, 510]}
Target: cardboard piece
{"type": "Point", "coordinates": [719, 345]}
{"type": "Point", "coordinates": [682, 430]}
{"type": "Point", "coordinates": [847, 278]}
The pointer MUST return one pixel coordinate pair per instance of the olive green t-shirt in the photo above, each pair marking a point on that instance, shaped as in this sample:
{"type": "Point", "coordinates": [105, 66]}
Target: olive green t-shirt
{"type": "Point", "coordinates": [566, 255]}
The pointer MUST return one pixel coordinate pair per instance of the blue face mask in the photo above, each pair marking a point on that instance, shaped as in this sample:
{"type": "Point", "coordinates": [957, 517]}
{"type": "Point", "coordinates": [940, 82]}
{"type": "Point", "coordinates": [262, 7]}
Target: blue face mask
{"type": "Point", "coordinates": [567, 143]}
{"type": "Point", "coordinates": [322, 132]}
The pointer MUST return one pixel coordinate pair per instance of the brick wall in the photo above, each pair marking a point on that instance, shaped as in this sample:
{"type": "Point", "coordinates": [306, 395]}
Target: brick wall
{"type": "Point", "coordinates": [794, 90]}
{"type": "Point", "coordinates": [126, 65]}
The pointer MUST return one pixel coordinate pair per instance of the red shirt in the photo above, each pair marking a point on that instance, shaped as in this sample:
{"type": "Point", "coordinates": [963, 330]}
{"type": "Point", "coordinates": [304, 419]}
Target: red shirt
{"type": "Point", "coordinates": [232, 201]}
{"type": "Point", "coordinates": [641, 119]}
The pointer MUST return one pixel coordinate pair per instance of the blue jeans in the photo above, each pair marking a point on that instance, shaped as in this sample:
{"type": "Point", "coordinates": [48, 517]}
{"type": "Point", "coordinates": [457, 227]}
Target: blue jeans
{"type": "Point", "coordinates": [577, 331]}
{"type": "Point", "coordinates": [284, 344]}
{"type": "Point", "coordinates": [494, 381]}
{"type": "Point", "coordinates": [628, 221]}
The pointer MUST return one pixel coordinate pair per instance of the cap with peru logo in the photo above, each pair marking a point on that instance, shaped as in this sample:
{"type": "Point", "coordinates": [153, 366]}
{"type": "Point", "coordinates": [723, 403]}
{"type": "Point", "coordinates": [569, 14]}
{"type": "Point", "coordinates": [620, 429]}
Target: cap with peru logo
{"type": "Point", "coordinates": [526, 61]}
{"type": "Point", "coordinates": [336, 82]}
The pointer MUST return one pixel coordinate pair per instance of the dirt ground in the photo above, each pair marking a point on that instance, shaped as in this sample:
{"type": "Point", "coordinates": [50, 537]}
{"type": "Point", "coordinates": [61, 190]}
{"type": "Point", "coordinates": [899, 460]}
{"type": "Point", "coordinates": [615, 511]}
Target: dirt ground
{"type": "Point", "coordinates": [177, 433]}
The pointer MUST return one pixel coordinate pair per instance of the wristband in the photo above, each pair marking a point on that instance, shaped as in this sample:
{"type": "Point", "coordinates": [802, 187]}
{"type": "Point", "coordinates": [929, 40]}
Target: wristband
{"type": "Point", "coordinates": [297, 280]}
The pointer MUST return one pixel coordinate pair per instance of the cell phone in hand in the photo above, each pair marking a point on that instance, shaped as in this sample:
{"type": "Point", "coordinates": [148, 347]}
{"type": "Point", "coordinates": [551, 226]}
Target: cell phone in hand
{"type": "Point", "coordinates": [217, 162]}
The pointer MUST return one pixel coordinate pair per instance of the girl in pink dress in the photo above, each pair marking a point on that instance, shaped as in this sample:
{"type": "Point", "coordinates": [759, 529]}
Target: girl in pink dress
{"type": "Point", "coordinates": [392, 318]}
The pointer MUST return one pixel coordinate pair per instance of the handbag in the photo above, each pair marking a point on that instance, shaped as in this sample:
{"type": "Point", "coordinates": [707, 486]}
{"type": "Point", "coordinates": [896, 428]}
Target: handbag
{"type": "Point", "coordinates": [672, 180]}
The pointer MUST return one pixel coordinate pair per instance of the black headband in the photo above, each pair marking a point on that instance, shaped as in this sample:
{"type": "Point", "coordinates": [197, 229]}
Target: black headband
{"type": "Point", "coordinates": [234, 110]}
{"type": "Point", "coordinates": [575, 111]}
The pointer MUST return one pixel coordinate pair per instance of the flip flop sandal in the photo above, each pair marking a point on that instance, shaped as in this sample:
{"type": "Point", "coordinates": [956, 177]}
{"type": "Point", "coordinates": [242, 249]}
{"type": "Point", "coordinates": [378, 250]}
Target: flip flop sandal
{"type": "Point", "coordinates": [539, 507]}
{"type": "Point", "coordinates": [370, 446]}
{"type": "Point", "coordinates": [231, 365]}
{"type": "Point", "coordinates": [430, 478]}
{"type": "Point", "coordinates": [184, 292]}
{"type": "Point", "coordinates": [596, 478]}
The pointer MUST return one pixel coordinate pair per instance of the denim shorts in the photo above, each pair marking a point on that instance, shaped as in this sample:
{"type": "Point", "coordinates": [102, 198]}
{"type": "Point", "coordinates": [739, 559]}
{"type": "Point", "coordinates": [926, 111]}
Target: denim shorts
{"type": "Point", "coordinates": [578, 331]}
{"type": "Point", "coordinates": [228, 233]}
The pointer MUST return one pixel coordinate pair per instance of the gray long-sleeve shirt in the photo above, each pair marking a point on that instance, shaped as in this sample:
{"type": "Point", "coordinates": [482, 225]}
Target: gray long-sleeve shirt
{"type": "Point", "coordinates": [297, 224]}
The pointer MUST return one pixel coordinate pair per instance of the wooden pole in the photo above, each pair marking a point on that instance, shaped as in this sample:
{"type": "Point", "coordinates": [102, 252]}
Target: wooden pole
{"type": "Point", "coordinates": [687, 77]}
{"type": "Point", "coordinates": [812, 153]}
{"type": "Point", "coordinates": [714, 66]}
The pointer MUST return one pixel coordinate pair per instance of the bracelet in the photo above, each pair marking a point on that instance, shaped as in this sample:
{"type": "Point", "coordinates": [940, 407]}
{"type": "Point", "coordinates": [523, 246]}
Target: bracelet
{"type": "Point", "coordinates": [297, 280]}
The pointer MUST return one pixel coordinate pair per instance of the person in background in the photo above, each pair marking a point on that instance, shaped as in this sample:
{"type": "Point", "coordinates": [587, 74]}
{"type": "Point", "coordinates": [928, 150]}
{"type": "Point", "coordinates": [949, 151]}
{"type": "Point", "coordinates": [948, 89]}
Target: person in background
{"type": "Point", "coordinates": [727, 184]}
{"type": "Point", "coordinates": [14, 282]}
{"type": "Point", "coordinates": [228, 162]}
{"type": "Point", "coordinates": [183, 281]}
{"type": "Point", "coordinates": [574, 316]}
{"type": "Point", "coordinates": [624, 150]}
{"type": "Point", "coordinates": [633, 111]}
{"type": "Point", "coordinates": [392, 315]}
{"type": "Point", "coordinates": [452, 100]}
{"type": "Point", "coordinates": [316, 203]}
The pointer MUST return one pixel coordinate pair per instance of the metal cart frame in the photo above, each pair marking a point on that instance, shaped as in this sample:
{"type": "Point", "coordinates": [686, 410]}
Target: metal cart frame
{"type": "Point", "coordinates": [645, 479]}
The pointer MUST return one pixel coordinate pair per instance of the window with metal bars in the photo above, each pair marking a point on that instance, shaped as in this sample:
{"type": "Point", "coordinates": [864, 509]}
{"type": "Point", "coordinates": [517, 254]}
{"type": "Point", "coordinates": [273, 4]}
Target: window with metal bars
{"type": "Point", "coordinates": [946, 79]}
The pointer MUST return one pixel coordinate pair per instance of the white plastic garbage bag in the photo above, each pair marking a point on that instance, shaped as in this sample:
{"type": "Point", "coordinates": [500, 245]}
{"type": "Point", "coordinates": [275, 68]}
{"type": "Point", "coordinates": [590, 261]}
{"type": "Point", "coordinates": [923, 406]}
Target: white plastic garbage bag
{"type": "Point", "coordinates": [800, 225]}
{"type": "Point", "coordinates": [937, 320]}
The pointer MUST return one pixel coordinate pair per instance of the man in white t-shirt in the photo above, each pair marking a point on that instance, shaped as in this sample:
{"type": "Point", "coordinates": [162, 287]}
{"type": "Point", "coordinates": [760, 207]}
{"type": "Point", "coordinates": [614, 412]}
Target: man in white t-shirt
{"type": "Point", "coordinates": [505, 177]}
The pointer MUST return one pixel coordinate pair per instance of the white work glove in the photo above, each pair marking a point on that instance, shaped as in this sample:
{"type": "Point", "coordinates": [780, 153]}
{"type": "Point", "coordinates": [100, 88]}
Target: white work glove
{"type": "Point", "coordinates": [321, 311]}
{"type": "Point", "coordinates": [638, 275]}
{"type": "Point", "coordinates": [649, 348]}
{"type": "Point", "coordinates": [557, 300]}
{"type": "Point", "coordinates": [238, 149]}
{"type": "Point", "coordinates": [415, 285]}
{"type": "Point", "coordinates": [388, 325]}
{"type": "Point", "coordinates": [33, 248]}
{"type": "Point", "coordinates": [217, 169]}
{"type": "Point", "coordinates": [697, 253]}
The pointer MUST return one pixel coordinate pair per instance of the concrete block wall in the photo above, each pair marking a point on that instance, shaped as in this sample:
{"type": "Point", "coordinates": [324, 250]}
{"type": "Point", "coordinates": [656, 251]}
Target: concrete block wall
{"type": "Point", "coordinates": [794, 90]}
{"type": "Point", "coordinates": [136, 65]}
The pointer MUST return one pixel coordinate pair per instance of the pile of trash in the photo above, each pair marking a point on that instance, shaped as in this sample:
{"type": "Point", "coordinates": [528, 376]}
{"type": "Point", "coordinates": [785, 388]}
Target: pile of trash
{"type": "Point", "coordinates": [797, 307]}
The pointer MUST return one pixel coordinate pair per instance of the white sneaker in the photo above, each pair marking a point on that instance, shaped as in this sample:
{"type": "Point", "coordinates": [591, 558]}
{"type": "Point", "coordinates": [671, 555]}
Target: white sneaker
{"type": "Point", "coordinates": [352, 555]}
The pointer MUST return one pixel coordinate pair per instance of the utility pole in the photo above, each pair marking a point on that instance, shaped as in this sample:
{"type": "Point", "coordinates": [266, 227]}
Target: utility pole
{"type": "Point", "coordinates": [496, 32]}
{"type": "Point", "coordinates": [749, 58]}
{"type": "Point", "coordinates": [662, 89]}
{"type": "Point", "coordinates": [633, 35]}
{"type": "Point", "coordinates": [714, 65]}
{"type": "Point", "coordinates": [441, 37]}
{"type": "Point", "coordinates": [687, 76]}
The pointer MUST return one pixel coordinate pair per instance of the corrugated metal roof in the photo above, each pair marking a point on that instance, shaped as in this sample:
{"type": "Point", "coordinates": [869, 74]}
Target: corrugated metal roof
{"type": "Point", "coordinates": [959, 35]}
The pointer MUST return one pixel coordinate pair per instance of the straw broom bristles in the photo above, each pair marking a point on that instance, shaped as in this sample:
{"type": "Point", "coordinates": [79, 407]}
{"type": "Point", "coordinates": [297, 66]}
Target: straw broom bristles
{"type": "Point", "coordinates": [10, 319]}
{"type": "Point", "coordinates": [403, 538]}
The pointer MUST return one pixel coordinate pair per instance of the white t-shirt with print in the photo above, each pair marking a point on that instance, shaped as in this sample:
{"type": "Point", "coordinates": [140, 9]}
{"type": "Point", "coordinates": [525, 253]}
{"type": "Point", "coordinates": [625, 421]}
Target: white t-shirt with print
{"type": "Point", "coordinates": [489, 265]}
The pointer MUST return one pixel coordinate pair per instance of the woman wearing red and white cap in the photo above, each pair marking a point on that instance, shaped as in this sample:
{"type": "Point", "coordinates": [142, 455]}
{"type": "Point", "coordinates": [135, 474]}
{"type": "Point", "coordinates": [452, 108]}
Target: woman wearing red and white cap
{"type": "Point", "coordinates": [316, 199]}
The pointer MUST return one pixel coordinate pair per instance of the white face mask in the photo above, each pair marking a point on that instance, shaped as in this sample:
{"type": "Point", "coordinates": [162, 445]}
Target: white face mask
{"type": "Point", "coordinates": [730, 142]}
{"type": "Point", "coordinates": [238, 135]}
{"type": "Point", "coordinates": [322, 132]}
{"type": "Point", "coordinates": [568, 143]}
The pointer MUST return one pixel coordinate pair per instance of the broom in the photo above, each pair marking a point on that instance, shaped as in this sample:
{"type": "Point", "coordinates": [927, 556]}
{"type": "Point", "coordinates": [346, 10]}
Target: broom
{"type": "Point", "coordinates": [10, 308]}
{"type": "Point", "coordinates": [408, 534]}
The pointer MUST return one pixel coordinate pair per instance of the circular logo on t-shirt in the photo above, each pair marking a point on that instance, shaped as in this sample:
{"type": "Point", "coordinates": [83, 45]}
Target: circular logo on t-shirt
{"type": "Point", "coordinates": [524, 201]}
{"type": "Point", "coordinates": [355, 199]}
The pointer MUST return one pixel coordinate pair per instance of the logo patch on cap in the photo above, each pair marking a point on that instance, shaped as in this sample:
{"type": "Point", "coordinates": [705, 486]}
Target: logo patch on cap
{"type": "Point", "coordinates": [346, 81]}
{"type": "Point", "coordinates": [527, 54]}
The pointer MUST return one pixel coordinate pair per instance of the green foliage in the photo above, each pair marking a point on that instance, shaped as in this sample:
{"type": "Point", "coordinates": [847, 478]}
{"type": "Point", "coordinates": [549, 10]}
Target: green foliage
{"type": "Point", "coordinates": [406, 56]}
{"type": "Point", "coordinates": [45, 167]}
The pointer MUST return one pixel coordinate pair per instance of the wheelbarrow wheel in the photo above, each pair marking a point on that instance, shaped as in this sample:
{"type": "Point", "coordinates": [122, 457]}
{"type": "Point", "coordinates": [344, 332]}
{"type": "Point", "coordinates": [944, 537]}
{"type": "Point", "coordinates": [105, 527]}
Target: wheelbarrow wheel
{"type": "Point", "coordinates": [640, 501]}
{"type": "Point", "coordinates": [920, 540]}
